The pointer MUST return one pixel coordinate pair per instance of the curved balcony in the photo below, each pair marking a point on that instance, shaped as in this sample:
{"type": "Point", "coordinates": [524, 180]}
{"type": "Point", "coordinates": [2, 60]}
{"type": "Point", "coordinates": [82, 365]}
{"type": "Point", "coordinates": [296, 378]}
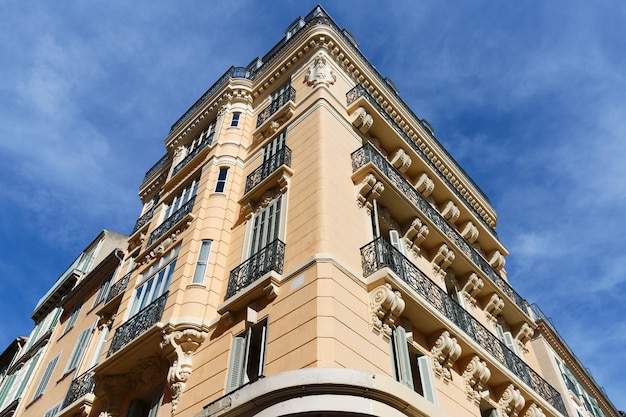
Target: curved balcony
{"type": "Point", "coordinates": [369, 154]}
{"type": "Point", "coordinates": [182, 164]}
{"type": "Point", "coordinates": [171, 221]}
{"type": "Point", "coordinates": [380, 254]}
{"type": "Point", "coordinates": [143, 220]}
{"type": "Point", "coordinates": [80, 387]}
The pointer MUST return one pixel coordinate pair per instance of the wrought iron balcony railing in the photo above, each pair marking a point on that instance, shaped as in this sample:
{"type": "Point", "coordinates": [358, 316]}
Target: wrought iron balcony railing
{"type": "Point", "coordinates": [368, 154]}
{"type": "Point", "coordinates": [380, 253]}
{"type": "Point", "coordinates": [80, 387]}
{"type": "Point", "coordinates": [156, 167]}
{"type": "Point", "coordinates": [118, 288]}
{"type": "Point", "coordinates": [207, 142]}
{"type": "Point", "coordinates": [282, 157]}
{"type": "Point", "coordinates": [177, 216]}
{"type": "Point", "coordinates": [145, 218]}
{"type": "Point", "coordinates": [360, 91]}
{"type": "Point", "coordinates": [275, 105]}
{"type": "Point", "coordinates": [138, 324]}
{"type": "Point", "coordinates": [270, 258]}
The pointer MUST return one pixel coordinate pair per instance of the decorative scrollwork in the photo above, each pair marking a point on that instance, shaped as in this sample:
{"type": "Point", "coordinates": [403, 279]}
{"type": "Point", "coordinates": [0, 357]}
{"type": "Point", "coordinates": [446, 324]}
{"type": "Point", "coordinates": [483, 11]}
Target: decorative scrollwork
{"type": "Point", "coordinates": [386, 306]}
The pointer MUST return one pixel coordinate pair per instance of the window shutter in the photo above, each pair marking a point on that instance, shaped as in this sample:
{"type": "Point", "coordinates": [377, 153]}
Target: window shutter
{"type": "Point", "coordinates": [426, 376]}
{"type": "Point", "coordinates": [46, 377]}
{"type": "Point", "coordinates": [261, 367]}
{"type": "Point", "coordinates": [400, 352]}
{"type": "Point", "coordinates": [396, 241]}
{"type": "Point", "coordinates": [237, 362]}
{"type": "Point", "coordinates": [79, 349]}
{"type": "Point", "coordinates": [510, 342]}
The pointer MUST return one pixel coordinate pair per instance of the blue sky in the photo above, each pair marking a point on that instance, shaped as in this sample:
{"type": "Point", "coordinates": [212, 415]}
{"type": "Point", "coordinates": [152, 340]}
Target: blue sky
{"type": "Point", "coordinates": [529, 97]}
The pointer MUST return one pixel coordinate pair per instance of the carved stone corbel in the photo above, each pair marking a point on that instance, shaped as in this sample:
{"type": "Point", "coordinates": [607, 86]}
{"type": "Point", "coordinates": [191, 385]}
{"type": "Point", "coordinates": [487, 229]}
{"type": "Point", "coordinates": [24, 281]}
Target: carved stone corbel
{"type": "Point", "coordinates": [496, 260]}
{"type": "Point", "coordinates": [469, 231]}
{"type": "Point", "coordinates": [442, 260]}
{"type": "Point", "coordinates": [445, 351]}
{"type": "Point", "coordinates": [472, 287]}
{"type": "Point", "coordinates": [370, 190]}
{"type": "Point", "coordinates": [386, 306]}
{"type": "Point", "coordinates": [401, 160]}
{"type": "Point", "coordinates": [181, 345]}
{"type": "Point", "coordinates": [320, 72]}
{"type": "Point", "coordinates": [415, 235]}
{"type": "Point", "coordinates": [523, 335]}
{"type": "Point", "coordinates": [450, 212]}
{"type": "Point", "coordinates": [476, 374]}
{"type": "Point", "coordinates": [511, 401]}
{"type": "Point", "coordinates": [424, 185]}
{"type": "Point", "coordinates": [362, 120]}
{"type": "Point", "coordinates": [533, 410]}
{"type": "Point", "coordinates": [493, 307]}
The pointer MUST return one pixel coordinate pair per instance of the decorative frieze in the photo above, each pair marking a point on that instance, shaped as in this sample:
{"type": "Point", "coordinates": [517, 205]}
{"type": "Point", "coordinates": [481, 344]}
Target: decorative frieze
{"type": "Point", "coordinates": [401, 160]}
{"type": "Point", "coordinates": [320, 72]}
{"type": "Point", "coordinates": [472, 287]}
{"type": "Point", "coordinates": [511, 401]}
{"type": "Point", "coordinates": [475, 377]}
{"type": "Point", "coordinates": [445, 351]}
{"type": "Point", "coordinates": [442, 260]}
{"type": "Point", "coordinates": [424, 185]}
{"type": "Point", "coordinates": [386, 306]}
{"type": "Point", "coordinates": [450, 212]}
{"type": "Point", "coordinates": [415, 235]}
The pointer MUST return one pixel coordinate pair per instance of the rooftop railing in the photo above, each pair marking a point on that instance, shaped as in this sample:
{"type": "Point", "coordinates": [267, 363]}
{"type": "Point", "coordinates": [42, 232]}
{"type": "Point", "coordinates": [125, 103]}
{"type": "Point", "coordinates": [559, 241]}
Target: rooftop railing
{"type": "Point", "coordinates": [270, 258]}
{"type": "Point", "coordinates": [282, 157]}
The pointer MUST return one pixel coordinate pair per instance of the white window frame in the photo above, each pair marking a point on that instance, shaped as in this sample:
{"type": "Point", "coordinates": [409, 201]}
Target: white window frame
{"type": "Point", "coordinates": [202, 262]}
{"type": "Point", "coordinates": [235, 119]}
{"type": "Point", "coordinates": [154, 282]}
{"type": "Point", "coordinates": [99, 347]}
{"type": "Point", "coordinates": [45, 378]}
{"type": "Point", "coordinates": [247, 358]}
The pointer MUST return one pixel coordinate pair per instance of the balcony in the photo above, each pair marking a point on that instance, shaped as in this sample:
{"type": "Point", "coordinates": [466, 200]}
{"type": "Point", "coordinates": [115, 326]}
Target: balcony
{"type": "Point", "coordinates": [279, 103]}
{"type": "Point", "coordinates": [380, 254]}
{"type": "Point", "coordinates": [80, 387]}
{"type": "Point", "coordinates": [155, 167]}
{"type": "Point", "coordinates": [118, 288]}
{"type": "Point", "coordinates": [138, 324]}
{"type": "Point", "coordinates": [369, 155]}
{"type": "Point", "coordinates": [360, 92]}
{"type": "Point", "coordinates": [282, 157]}
{"type": "Point", "coordinates": [171, 221]}
{"type": "Point", "coordinates": [143, 220]}
{"type": "Point", "coordinates": [270, 258]}
{"type": "Point", "coordinates": [205, 144]}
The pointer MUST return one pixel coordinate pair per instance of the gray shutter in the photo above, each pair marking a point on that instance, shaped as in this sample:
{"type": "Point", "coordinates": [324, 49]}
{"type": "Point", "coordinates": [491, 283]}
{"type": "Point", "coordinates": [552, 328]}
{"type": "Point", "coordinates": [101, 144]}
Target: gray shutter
{"type": "Point", "coordinates": [262, 350]}
{"type": "Point", "coordinates": [396, 242]}
{"type": "Point", "coordinates": [401, 356]}
{"type": "Point", "coordinates": [510, 342]}
{"type": "Point", "coordinates": [237, 361]}
{"type": "Point", "coordinates": [46, 377]}
{"type": "Point", "coordinates": [426, 376]}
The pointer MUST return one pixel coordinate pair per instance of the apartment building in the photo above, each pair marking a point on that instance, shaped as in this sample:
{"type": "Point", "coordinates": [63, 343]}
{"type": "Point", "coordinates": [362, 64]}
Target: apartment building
{"type": "Point", "coordinates": [306, 247]}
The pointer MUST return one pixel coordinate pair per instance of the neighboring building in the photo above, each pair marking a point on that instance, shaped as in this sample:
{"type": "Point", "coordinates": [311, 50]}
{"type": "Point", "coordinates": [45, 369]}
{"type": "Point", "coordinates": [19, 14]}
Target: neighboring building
{"type": "Point", "coordinates": [306, 248]}
{"type": "Point", "coordinates": [560, 366]}
{"type": "Point", "coordinates": [31, 370]}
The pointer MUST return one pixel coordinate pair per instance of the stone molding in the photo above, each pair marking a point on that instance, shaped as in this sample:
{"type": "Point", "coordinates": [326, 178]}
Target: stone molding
{"type": "Point", "coordinates": [401, 160]}
{"type": "Point", "coordinates": [424, 185]}
{"type": "Point", "coordinates": [511, 401]}
{"type": "Point", "coordinates": [450, 212]}
{"type": "Point", "coordinates": [442, 260]}
{"type": "Point", "coordinates": [445, 351]}
{"type": "Point", "coordinates": [475, 376]}
{"type": "Point", "coordinates": [386, 306]}
{"type": "Point", "coordinates": [469, 231]}
{"type": "Point", "coordinates": [370, 190]}
{"type": "Point", "coordinates": [415, 234]}
{"type": "Point", "coordinates": [362, 120]}
{"type": "Point", "coordinates": [493, 307]}
{"type": "Point", "coordinates": [471, 288]}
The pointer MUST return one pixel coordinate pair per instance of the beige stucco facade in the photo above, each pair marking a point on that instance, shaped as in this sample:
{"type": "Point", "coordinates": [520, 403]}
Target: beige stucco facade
{"type": "Point", "coordinates": [304, 218]}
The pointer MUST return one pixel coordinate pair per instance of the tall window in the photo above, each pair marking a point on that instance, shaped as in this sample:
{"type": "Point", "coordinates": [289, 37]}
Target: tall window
{"type": "Point", "coordinates": [104, 290]}
{"type": "Point", "coordinates": [72, 319]}
{"type": "Point", "coordinates": [247, 357]}
{"type": "Point", "coordinates": [46, 376]}
{"type": "Point", "coordinates": [182, 198]}
{"type": "Point", "coordinates": [280, 96]}
{"type": "Point", "coordinates": [507, 338]}
{"type": "Point", "coordinates": [203, 257]}
{"type": "Point", "coordinates": [79, 350]}
{"type": "Point", "coordinates": [265, 226]}
{"type": "Point", "coordinates": [234, 122]}
{"type": "Point", "coordinates": [221, 180]}
{"type": "Point", "coordinates": [410, 367]}
{"type": "Point", "coordinates": [156, 281]}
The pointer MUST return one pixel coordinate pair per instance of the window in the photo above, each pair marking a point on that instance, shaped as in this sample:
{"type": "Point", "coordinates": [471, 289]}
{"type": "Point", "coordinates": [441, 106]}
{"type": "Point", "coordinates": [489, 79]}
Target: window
{"type": "Point", "coordinates": [279, 97]}
{"type": "Point", "coordinates": [103, 291]}
{"type": "Point", "coordinates": [72, 319]}
{"type": "Point", "coordinates": [147, 405]}
{"type": "Point", "coordinates": [265, 226]}
{"type": "Point", "coordinates": [182, 198]}
{"type": "Point", "coordinates": [79, 349]}
{"type": "Point", "coordinates": [53, 411]}
{"type": "Point", "coordinates": [203, 257]}
{"type": "Point", "coordinates": [247, 357]}
{"type": "Point", "coordinates": [234, 122]}
{"type": "Point", "coordinates": [99, 348]}
{"type": "Point", "coordinates": [46, 376]}
{"type": "Point", "coordinates": [156, 281]}
{"type": "Point", "coordinates": [410, 367]}
{"type": "Point", "coordinates": [507, 338]}
{"type": "Point", "coordinates": [205, 137]}
{"type": "Point", "coordinates": [221, 180]}
{"type": "Point", "coordinates": [396, 241]}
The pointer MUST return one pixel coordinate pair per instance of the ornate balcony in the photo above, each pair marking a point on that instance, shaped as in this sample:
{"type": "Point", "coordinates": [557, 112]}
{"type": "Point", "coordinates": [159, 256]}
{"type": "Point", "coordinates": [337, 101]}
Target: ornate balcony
{"type": "Point", "coordinates": [177, 216]}
{"type": "Point", "coordinates": [143, 220]}
{"type": "Point", "coordinates": [206, 143]}
{"type": "Point", "coordinates": [369, 154]}
{"type": "Point", "coordinates": [275, 105]}
{"type": "Point", "coordinates": [282, 157]}
{"type": "Point", "coordinates": [156, 167]}
{"type": "Point", "coordinates": [138, 324]}
{"type": "Point", "coordinates": [380, 254]}
{"type": "Point", "coordinates": [80, 387]}
{"type": "Point", "coordinates": [270, 258]}
{"type": "Point", "coordinates": [118, 288]}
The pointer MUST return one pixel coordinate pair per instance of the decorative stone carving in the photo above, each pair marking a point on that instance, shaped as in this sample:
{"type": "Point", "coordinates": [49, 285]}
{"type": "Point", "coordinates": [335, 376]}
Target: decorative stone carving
{"type": "Point", "coordinates": [476, 374]}
{"type": "Point", "coordinates": [386, 306]}
{"type": "Point", "coordinates": [511, 401]}
{"type": "Point", "coordinates": [370, 190]}
{"type": "Point", "coordinates": [470, 232]}
{"type": "Point", "coordinates": [401, 160]}
{"type": "Point", "coordinates": [533, 410]}
{"type": "Point", "coordinates": [523, 335]}
{"type": "Point", "coordinates": [424, 185]}
{"type": "Point", "coordinates": [442, 260]}
{"type": "Point", "coordinates": [493, 307]}
{"type": "Point", "coordinates": [362, 120]}
{"type": "Point", "coordinates": [179, 154]}
{"type": "Point", "coordinates": [446, 350]}
{"type": "Point", "coordinates": [496, 260]}
{"type": "Point", "coordinates": [320, 72]}
{"type": "Point", "coordinates": [450, 212]}
{"type": "Point", "coordinates": [181, 344]}
{"type": "Point", "coordinates": [385, 218]}
{"type": "Point", "coordinates": [472, 287]}
{"type": "Point", "coordinates": [415, 235]}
